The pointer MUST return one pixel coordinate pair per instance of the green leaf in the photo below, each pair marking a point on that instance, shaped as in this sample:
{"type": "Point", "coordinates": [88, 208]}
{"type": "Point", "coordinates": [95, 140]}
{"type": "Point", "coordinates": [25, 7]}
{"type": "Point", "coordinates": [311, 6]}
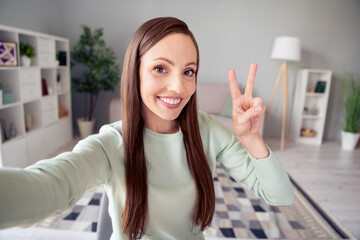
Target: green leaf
{"type": "Point", "coordinates": [99, 61]}
{"type": "Point", "coordinates": [351, 102]}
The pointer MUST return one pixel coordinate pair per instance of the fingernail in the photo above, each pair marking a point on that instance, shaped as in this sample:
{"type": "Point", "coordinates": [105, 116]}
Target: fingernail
{"type": "Point", "coordinates": [257, 109]}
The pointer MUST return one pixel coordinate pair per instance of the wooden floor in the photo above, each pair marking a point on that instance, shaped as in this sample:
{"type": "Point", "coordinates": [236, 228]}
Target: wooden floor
{"type": "Point", "coordinates": [329, 175]}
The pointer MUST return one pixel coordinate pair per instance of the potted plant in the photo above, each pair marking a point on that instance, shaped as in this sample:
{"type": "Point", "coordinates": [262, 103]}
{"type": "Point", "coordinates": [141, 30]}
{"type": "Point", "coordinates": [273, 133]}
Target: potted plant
{"type": "Point", "coordinates": [27, 52]}
{"type": "Point", "coordinates": [350, 130]}
{"type": "Point", "coordinates": [99, 72]}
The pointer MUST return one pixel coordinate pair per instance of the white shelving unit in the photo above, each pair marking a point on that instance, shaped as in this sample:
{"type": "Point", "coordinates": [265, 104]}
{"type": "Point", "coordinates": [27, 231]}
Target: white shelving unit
{"type": "Point", "coordinates": [49, 131]}
{"type": "Point", "coordinates": [310, 107]}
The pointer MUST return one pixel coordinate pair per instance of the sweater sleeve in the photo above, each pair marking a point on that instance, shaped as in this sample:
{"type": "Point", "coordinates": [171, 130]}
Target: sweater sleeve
{"type": "Point", "coordinates": [53, 185]}
{"type": "Point", "coordinates": [267, 177]}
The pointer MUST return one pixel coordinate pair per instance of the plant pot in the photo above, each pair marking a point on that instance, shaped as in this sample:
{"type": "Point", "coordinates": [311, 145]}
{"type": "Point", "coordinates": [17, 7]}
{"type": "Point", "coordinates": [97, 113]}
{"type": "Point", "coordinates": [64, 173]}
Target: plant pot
{"type": "Point", "coordinates": [349, 140]}
{"type": "Point", "coordinates": [86, 128]}
{"type": "Point", "coordinates": [25, 61]}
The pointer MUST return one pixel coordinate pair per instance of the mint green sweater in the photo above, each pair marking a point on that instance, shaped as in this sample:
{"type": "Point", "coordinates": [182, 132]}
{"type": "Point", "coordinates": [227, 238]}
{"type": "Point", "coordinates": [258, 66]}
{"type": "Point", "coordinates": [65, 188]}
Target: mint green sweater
{"type": "Point", "coordinates": [51, 186]}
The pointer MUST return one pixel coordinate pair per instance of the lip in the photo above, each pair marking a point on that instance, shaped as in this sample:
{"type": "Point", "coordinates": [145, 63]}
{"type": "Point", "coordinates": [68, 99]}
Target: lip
{"type": "Point", "coordinates": [168, 105]}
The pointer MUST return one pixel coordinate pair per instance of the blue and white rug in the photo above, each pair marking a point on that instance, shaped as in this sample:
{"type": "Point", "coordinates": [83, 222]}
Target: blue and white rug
{"type": "Point", "coordinates": [239, 214]}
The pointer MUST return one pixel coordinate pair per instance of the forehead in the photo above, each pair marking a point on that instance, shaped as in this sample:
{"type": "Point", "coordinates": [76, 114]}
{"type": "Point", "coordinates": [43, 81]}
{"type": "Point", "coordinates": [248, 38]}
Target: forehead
{"type": "Point", "coordinates": [176, 46]}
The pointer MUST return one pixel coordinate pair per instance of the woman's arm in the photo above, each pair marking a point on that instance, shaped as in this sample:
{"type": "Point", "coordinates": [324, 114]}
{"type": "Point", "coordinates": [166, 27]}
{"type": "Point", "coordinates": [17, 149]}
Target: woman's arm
{"type": "Point", "coordinates": [246, 157]}
{"type": "Point", "coordinates": [51, 186]}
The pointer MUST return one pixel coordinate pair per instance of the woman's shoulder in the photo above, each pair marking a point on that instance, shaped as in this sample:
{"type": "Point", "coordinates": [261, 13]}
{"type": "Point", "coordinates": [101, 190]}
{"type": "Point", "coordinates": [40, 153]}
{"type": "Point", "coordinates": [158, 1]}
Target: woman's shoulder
{"type": "Point", "coordinates": [115, 127]}
{"type": "Point", "coordinates": [110, 134]}
{"type": "Point", "coordinates": [205, 118]}
{"type": "Point", "coordinates": [210, 126]}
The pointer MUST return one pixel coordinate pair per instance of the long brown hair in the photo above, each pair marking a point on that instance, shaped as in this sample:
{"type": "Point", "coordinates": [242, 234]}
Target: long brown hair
{"type": "Point", "coordinates": [135, 213]}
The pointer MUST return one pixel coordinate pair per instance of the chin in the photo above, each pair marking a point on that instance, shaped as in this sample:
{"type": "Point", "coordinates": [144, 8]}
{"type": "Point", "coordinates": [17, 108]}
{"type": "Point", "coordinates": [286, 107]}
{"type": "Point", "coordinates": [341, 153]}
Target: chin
{"type": "Point", "coordinates": [170, 117]}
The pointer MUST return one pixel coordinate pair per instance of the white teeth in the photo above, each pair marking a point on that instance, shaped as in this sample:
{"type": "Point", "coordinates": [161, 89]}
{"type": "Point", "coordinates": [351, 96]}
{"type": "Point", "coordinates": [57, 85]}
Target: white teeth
{"type": "Point", "coordinates": [170, 100]}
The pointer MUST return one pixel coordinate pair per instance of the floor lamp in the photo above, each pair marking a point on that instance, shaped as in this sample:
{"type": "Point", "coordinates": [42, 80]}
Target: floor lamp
{"type": "Point", "coordinates": [285, 48]}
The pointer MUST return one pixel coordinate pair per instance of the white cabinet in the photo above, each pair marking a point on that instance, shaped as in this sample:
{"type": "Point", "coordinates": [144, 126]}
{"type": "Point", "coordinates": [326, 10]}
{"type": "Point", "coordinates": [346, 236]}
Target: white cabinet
{"type": "Point", "coordinates": [310, 105]}
{"type": "Point", "coordinates": [34, 129]}
{"type": "Point", "coordinates": [14, 153]}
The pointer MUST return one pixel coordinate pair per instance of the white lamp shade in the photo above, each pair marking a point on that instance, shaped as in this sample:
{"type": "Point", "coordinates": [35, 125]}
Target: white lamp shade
{"type": "Point", "coordinates": [286, 48]}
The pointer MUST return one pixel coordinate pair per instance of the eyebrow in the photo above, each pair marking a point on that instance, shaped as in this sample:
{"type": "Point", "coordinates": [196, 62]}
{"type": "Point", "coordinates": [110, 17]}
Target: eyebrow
{"type": "Point", "coordinates": [172, 63]}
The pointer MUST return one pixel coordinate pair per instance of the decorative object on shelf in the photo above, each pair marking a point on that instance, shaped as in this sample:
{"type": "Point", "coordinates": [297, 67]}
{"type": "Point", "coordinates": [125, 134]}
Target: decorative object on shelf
{"type": "Point", "coordinates": [7, 132]}
{"type": "Point", "coordinates": [308, 132]}
{"type": "Point", "coordinates": [306, 110]}
{"type": "Point", "coordinates": [27, 52]}
{"type": "Point", "coordinates": [62, 58]}
{"type": "Point", "coordinates": [314, 110]}
{"type": "Point", "coordinates": [320, 86]}
{"type": "Point", "coordinates": [58, 83]}
{"type": "Point", "coordinates": [44, 87]}
{"type": "Point", "coordinates": [350, 131]}
{"type": "Point", "coordinates": [50, 90]}
{"type": "Point", "coordinates": [8, 97]}
{"type": "Point", "coordinates": [101, 71]}
{"type": "Point", "coordinates": [311, 90]}
{"type": "Point", "coordinates": [8, 54]}
{"type": "Point", "coordinates": [28, 122]}
{"type": "Point", "coordinates": [63, 112]}
{"type": "Point", "coordinates": [57, 59]}
{"type": "Point", "coordinates": [287, 49]}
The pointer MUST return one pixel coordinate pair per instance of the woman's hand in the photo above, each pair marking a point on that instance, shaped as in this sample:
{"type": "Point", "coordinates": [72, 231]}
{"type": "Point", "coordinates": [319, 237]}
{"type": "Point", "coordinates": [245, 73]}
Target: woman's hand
{"type": "Point", "coordinates": [247, 114]}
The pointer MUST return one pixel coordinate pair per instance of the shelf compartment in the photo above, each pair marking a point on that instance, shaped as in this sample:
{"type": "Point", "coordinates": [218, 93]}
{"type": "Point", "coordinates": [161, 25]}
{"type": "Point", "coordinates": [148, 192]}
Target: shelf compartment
{"type": "Point", "coordinates": [62, 51]}
{"type": "Point", "coordinates": [8, 36]}
{"type": "Point", "coordinates": [65, 103]}
{"type": "Point", "coordinates": [12, 122]}
{"type": "Point", "coordinates": [29, 39]}
{"type": "Point", "coordinates": [62, 80]}
{"type": "Point", "coordinates": [314, 76]}
{"type": "Point", "coordinates": [32, 116]}
{"type": "Point", "coordinates": [49, 75]}
{"type": "Point", "coordinates": [11, 37]}
{"type": "Point", "coordinates": [10, 80]}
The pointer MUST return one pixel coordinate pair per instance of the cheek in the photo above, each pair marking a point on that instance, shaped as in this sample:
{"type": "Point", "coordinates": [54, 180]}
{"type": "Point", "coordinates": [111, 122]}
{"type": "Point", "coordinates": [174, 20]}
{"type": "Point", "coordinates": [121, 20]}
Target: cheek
{"type": "Point", "coordinates": [191, 87]}
{"type": "Point", "coordinates": [147, 85]}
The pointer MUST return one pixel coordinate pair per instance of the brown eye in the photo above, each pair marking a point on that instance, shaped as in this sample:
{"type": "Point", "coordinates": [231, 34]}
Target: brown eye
{"type": "Point", "coordinates": [160, 69]}
{"type": "Point", "coordinates": [189, 72]}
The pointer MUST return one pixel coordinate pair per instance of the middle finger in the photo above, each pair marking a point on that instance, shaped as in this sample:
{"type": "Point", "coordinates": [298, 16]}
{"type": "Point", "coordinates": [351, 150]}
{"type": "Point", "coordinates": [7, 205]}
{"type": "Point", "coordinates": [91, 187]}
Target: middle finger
{"type": "Point", "coordinates": [249, 86]}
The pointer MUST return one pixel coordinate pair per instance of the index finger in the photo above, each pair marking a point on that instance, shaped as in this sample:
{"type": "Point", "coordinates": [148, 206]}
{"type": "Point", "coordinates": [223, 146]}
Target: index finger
{"type": "Point", "coordinates": [249, 86]}
{"type": "Point", "coordinates": [234, 87]}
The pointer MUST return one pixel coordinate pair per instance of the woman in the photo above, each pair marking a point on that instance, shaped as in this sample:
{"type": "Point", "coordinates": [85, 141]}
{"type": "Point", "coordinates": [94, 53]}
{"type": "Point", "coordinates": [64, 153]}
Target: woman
{"type": "Point", "coordinates": [157, 164]}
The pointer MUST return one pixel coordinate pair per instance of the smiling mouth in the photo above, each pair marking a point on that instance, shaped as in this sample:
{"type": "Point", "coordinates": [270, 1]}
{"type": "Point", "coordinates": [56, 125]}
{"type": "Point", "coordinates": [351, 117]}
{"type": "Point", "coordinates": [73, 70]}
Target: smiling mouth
{"type": "Point", "coordinates": [170, 102]}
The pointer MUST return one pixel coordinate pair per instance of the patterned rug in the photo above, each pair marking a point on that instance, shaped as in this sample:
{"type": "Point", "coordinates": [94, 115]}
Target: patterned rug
{"type": "Point", "coordinates": [239, 214]}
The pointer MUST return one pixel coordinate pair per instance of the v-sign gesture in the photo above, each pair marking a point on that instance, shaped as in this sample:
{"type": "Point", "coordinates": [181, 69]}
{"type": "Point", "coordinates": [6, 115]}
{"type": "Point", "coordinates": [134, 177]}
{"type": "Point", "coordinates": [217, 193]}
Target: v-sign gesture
{"type": "Point", "coordinates": [247, 113]}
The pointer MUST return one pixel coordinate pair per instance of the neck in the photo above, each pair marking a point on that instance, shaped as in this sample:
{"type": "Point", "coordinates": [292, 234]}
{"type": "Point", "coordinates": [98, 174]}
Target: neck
{"type": "Point", "coordinates": [164, 126]}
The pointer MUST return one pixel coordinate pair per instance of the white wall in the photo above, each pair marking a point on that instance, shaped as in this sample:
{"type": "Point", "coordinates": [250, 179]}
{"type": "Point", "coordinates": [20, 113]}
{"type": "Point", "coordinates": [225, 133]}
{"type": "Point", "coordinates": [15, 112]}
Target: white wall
{"type": "Point", "coordinates": [230, 33]}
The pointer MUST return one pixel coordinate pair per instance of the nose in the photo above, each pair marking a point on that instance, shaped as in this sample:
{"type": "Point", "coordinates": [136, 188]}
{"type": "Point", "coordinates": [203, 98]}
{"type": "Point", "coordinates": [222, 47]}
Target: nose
{"type": "Point", "coordinates": [176, 84]}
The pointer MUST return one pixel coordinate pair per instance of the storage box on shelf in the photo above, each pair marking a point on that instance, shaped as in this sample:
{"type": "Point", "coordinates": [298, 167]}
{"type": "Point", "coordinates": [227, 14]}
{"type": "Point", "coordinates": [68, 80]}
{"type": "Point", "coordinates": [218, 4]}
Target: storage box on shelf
{"type": "Point", "coordinates": [36, 119]}
{"type": "Point", "coordinates": [310, 105]}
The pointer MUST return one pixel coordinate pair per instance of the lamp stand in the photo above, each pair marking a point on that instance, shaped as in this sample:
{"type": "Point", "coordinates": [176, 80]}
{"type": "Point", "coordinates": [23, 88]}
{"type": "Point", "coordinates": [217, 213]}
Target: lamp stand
{"type": "Point", "coordinates": [285, 105]}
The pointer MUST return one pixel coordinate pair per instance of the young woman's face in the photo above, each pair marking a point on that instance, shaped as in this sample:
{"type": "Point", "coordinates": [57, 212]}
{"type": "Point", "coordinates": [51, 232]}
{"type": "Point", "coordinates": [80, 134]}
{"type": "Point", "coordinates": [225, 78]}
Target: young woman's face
{"type": "Point", "coordinates": [167, 78]}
